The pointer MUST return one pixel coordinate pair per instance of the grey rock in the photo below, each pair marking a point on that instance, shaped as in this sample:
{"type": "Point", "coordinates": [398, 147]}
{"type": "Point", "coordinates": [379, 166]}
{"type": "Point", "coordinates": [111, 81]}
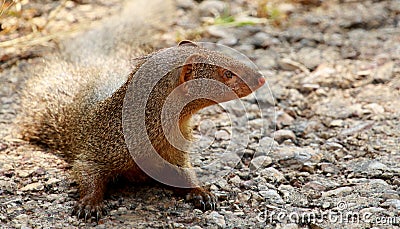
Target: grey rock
{"type": "Point", "coordinates": [228, 41]}
{"type": "Point", "coordinates": [291, 65]}
{"type": "Point", "coordinates": [376, 165]}
{"type": "Point", "coordinates": [244, 196]}
{"type": "Point", "coordinates": [260, 162]}
{"type": "Point", "coordinates": [315, 185]}
{"type": "Point", "coordinates": [282, 135]}
{"type": "Point", "coordinates": [272, 175]}
{"type": "Point", "coordinates": [267, 59]}
{"type": "Point", "coordinates": [295, 157]}
{"type": "Point", "coordinates": [272, 196]}
{"type": "Point", "coordinates": [310, 57]}
{"type": "Point", "coordinates": [374, 108]}
{"type": "Point", "coordinates": [266, 144]}
{"type": "Point", "coordinates": [186, 4]}
{"type": "Point", "coordinates": [338, 192]}
{"type": "Point", "coordinates": [257, 123]}
{"type": "Point", "coordinates": [390, 195]}
{"type": "Point", "coordinates": [262, 40]}
{"type": "Point", "coordinates": [283, 119]}
{"type": "Point", "coordinates": [384, 73]}
{"type": "Point", "coordinates": [287, 226]}
{"type": "Point", "coordinates": [52, 197]}
{"type": "Point", "coordinates": [22, 218]}
{"type": "Point", "coordinates": [372, 210]}
{"type": "Point", "coordinates": [10, 186]}
{"type": "Point", "coordinates": [195, 227]}
{"type": "Point", "coordinates": [212, 8]}
{"type": "Point", "coordinates": [219, 31]}
{"type": "Point", "coordinates": [24, 173]}
{"type": "Point", "coordinates": [222, 135]}
{"type": "Point", "coordinates": [52, 181]}
{"type": "Point", "coordinates": [328, 168]}
{"type": "Point", "coordinates": [37, 186]}
{"type": "Point", "coordinates": [235, 180]}
{"type": "Point", "coordinates": [122, 210]}
{"type": "Point", "coordinates": [336, 123]}
{"type": "Point", "coordinates": [333, 145]}
{"type": "Point", "coordinates": [292, 196]}
{"type": "Point", "coordinates": [395, 203]}
{"type": "Point", "coordinates": [215, 218]}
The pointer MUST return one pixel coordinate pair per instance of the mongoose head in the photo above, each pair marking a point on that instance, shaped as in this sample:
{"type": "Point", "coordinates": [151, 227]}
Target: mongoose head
{"type": "Point", "coordinates": [207, 64]}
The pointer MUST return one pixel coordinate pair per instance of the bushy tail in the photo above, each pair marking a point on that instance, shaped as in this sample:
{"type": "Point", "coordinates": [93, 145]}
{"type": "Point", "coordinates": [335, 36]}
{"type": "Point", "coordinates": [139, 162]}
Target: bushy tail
{"type": "Point", "coordinates": [88, 68]}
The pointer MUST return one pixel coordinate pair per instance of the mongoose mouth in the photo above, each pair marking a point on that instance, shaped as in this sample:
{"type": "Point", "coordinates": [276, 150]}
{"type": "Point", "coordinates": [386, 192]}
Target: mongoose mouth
{"type": "Point", "coordinates": [261, 82]}
{"type": "Point", "coordinates": [249, 86]}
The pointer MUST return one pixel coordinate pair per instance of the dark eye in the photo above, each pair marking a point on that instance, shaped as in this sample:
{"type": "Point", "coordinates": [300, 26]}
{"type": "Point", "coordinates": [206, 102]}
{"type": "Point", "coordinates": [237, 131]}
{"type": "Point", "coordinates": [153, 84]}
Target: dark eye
{"type": "Point", "coordinates": [228, 74]}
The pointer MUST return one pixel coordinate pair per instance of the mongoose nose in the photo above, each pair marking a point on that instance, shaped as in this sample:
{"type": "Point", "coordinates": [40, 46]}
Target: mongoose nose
{"type": "Point", "coordinates": [261, 81]}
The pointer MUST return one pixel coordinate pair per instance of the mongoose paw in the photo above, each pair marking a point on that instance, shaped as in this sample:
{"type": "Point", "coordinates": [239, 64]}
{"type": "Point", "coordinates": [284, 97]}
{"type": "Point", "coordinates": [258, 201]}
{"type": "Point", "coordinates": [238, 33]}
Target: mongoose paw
{"type": "Point", "coordinates": [86, 211]}
{"type": "Point", "coordinates": [202, 199]}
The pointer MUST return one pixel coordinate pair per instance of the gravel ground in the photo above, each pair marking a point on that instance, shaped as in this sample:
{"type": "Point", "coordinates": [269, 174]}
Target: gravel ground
{"type": "Point", "coordinates": [321, 152]}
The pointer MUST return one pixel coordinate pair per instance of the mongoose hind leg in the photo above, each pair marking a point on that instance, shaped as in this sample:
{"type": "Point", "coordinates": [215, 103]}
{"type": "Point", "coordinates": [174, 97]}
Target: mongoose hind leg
{"type": "Point", "coordinates": [92, 185]}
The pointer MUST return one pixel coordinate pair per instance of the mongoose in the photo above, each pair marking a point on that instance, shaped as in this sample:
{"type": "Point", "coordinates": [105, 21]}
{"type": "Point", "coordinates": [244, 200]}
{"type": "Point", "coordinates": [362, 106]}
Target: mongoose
{"type": "Point", "coordinates": [88, 129]}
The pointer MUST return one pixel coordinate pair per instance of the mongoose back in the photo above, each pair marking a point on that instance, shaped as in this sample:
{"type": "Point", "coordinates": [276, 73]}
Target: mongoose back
{"type": "Point", "coordinates": [86, 125]}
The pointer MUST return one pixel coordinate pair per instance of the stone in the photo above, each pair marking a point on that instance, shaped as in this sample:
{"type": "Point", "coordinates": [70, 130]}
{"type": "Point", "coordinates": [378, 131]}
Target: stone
{"type": "Point", "coordinates": [395, 203]}
{"type": "Point", "coordinates": [336, 123]}
{"type": "Point", "coordinates": [310, 57]}
{"type": "Point", "coordinates": [272, 195]}
{"type": "Point", "coordinates": [338, 192]}
{"type": "Point", "coordinates": [216, 218]}
{"type": "Point", "coordinates": [244, 196]}
{"type": "Point", "coordinates": [212, 8]}
{"type": "Point", "coordinates": [272, 175]}
{"type": "Point", "coordinates": [284, 119]}
{"type": "Point", "coordinates": [266, 144]}
{"type": "Point", "coordinates": [52, 181]}
{"type": "Point", "coordinates": [260, 162]}
{"type": "Point", "coordinates": [374, 108]}
{"type": "Point", "coordinates": [282, 135]}
{"type": "Point", "coordinates": [9, 186]}
{"type": "Point", "coordinates": [185, 4]}
{"type": "Point", "coordinates": [222, 135]}
{"type": "Point", "coordinates": [384, 73]}
{"type": "Point", "coordinates": [33, 187]}
{"type": "Point", "coordinates": [235, 180]}
{"type": "Point", "coordinates": [268, 60]}
{"type": "Point", "coordinates": [376, 165]}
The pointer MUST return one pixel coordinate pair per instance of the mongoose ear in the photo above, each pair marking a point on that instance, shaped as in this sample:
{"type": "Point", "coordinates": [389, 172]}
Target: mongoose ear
{"type": "Point", "coordinates": [196, 58]}
{"type": "Point", "coordinates": [187, 69]}
{"type": "Point", "coordinates": [186, 73]}
{"type": "Point", "coordinates": [187, 42]}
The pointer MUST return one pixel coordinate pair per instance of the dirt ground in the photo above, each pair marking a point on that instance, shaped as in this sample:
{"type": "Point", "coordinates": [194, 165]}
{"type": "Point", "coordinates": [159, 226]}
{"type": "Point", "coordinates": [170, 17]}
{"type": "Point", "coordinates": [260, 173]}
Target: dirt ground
{"type": "Point", "coordinates": [323, 150]}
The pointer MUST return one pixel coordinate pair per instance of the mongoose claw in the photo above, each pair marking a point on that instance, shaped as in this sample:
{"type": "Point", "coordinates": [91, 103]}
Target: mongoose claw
{"type": "Point", "coordinates": [202, 199]}
{"type": "Point", "coordinates": [85, 212]}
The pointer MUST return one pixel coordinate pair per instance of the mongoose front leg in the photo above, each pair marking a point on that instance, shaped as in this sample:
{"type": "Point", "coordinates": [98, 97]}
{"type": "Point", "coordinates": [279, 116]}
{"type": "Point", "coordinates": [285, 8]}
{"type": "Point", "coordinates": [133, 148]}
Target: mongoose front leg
{"type": "Point", "coordinates": [92, 185]}
{"type": "Point", "coordinates": [182, 178]}
{"type": "Point", "coordinates": [199, 196]}
{"type": "Point", "coordinates": [202, 198]}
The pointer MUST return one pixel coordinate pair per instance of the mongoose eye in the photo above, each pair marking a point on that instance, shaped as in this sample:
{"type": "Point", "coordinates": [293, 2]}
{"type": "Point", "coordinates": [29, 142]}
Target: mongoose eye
{"type": "Point", "coordinates": [228, 74]}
